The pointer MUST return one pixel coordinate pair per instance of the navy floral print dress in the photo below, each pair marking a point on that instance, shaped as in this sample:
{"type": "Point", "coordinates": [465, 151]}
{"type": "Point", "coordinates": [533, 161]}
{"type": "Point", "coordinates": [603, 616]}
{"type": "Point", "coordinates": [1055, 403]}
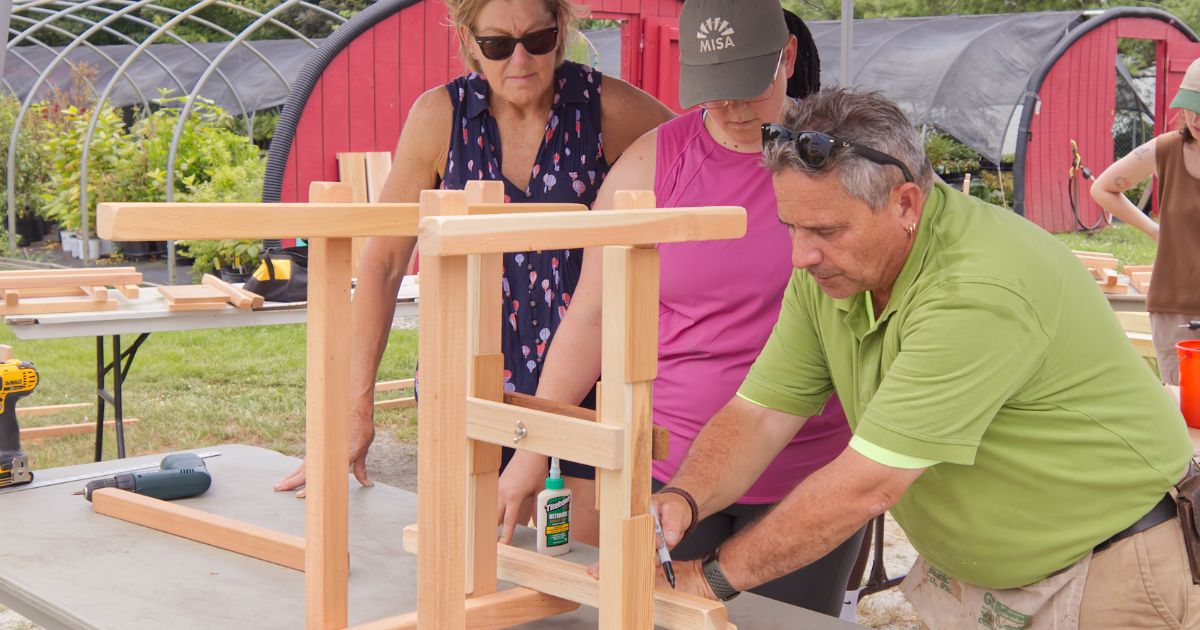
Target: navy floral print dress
{"type": "Point", "coordinates": [569, 168]}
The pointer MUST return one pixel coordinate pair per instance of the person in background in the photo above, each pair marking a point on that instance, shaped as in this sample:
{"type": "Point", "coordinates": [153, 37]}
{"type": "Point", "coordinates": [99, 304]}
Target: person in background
{"type": "Point", "coordinates": [549, 129]}
{"type": "Point", "coordinates": [1173, 158]}
{"type": "Point", "coordinates": [718, 299]}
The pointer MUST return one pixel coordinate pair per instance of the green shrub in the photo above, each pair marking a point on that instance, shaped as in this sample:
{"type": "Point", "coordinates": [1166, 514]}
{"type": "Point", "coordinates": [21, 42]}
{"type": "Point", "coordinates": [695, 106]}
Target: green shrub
{"type": "Point", "coordinates": [949, 155]}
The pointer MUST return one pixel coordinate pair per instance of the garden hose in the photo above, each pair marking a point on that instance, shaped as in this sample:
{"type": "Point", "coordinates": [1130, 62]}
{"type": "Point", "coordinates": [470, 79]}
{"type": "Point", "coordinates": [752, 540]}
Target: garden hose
{"type": "Point", "coordinates": [1077, 167]}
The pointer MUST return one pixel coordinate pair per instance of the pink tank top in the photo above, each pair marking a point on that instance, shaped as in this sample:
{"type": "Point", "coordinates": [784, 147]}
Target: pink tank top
{"type": "Point", "coordinates": [719, 301]}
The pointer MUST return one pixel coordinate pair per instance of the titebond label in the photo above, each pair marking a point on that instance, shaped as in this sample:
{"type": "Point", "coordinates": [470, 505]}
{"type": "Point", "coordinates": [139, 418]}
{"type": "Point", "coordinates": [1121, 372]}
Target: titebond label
{"type": "Point", "coordinates": [558, 522]}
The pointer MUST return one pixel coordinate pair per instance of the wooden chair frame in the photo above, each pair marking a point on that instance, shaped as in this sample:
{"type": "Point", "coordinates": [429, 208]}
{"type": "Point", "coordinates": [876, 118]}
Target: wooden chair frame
{"type": "Point", "coordinates": [464, 402]}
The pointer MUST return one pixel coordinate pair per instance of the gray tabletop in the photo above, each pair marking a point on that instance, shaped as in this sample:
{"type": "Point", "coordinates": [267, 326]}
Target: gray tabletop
{"type": "Point", "coordinates": [63, 566]}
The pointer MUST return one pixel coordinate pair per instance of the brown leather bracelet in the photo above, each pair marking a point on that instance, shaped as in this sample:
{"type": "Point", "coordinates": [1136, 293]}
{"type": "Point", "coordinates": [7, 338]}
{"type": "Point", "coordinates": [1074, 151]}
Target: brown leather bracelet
{"type": "Point", "coordinates": [687, 496]}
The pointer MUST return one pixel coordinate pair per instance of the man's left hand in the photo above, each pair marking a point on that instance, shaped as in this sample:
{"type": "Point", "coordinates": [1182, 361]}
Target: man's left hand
{"type": "Point", "coordinates": [689, 578]}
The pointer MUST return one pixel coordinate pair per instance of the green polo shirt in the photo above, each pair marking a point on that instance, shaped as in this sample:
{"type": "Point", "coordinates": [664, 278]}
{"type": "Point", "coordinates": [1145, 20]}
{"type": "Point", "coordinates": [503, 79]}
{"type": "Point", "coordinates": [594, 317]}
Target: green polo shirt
{"type": "Point", "coordinates": [998, 357]}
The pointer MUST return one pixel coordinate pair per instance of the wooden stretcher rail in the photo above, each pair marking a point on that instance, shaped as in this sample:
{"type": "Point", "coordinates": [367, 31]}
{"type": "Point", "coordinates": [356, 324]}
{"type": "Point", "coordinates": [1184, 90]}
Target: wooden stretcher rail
{"type": "Point", "coordinates": [565, 579]}
{"type": "Point", "coordinates": [211, 529]}
{"type": "Point", "coordinates": [38, 433]}
{"type": "Point", "coordinates": [661, 439]}
{"type": "Point", "coordinates": [461, 236]}
{"type": "Point", "coordinates": [493, 611]}
{"type": "Point", "coordinates": [549, 434]}
{"type": "Point", "coordinates": [159, 221]}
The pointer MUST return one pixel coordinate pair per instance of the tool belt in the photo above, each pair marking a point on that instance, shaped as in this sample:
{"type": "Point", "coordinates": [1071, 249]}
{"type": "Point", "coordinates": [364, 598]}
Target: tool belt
{"type": "Point", "coordinates": [1187, 499]}
{"type": "Point", "coordinates": [1162, 512]}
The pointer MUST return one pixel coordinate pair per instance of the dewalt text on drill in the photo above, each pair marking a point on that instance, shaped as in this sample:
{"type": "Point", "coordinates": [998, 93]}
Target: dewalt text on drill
{"type": "Point", "coordinates": [17, 379]}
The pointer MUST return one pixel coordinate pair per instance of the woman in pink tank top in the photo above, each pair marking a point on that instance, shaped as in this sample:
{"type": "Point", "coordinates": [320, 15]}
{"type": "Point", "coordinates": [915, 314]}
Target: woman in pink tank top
{"type": "Point", "coordinates": [718, 302]}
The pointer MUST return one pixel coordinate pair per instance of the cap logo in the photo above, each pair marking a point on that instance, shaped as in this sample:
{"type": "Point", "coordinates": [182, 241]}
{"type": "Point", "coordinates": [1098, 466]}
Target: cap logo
{"type": "Point", "coordinates": [714, 34]}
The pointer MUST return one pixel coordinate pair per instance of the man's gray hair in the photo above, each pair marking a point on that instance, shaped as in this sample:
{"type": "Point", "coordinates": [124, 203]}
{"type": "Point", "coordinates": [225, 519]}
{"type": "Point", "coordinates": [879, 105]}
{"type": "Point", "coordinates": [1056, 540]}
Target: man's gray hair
{"type": "Point", "coordinates": [861, 117]}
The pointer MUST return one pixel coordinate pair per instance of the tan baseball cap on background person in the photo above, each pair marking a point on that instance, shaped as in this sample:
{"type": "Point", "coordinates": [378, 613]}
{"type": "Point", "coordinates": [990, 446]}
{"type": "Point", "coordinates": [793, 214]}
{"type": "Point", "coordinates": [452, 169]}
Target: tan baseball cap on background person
{"type": "Point", "coordinates": [728, 49]}
{"type": "Point", "coordinates": [1188, 96]}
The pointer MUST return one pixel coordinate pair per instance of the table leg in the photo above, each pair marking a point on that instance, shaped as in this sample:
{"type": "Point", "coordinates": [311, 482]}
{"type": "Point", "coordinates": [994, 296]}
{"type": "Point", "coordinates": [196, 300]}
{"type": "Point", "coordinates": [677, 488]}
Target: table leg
{"type": "Point", "coordinates": [119, 366]}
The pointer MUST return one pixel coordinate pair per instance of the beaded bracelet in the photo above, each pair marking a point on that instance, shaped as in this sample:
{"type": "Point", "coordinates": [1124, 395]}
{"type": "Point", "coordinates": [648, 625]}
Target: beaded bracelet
{"type": "Point", "coordinates": [691, 505]}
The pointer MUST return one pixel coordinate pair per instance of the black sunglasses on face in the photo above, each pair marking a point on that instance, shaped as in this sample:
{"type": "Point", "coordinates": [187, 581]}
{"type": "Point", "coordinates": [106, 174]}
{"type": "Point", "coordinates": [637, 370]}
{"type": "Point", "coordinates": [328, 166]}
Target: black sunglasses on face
{"type": "Point", "coordinates": [814, 147]}
{"type": "Point", "coordinates": [501, 47]}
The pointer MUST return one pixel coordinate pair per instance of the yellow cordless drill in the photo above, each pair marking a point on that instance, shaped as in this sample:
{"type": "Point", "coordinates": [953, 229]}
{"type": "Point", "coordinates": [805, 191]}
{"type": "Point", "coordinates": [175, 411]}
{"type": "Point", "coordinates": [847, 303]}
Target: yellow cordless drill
{"type": "Point", "coordinates": [17, 379]}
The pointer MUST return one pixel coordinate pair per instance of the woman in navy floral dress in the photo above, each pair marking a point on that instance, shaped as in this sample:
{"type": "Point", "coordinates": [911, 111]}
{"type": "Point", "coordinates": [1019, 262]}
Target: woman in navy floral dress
{"type": "Point", "coordinates": [548, 129]}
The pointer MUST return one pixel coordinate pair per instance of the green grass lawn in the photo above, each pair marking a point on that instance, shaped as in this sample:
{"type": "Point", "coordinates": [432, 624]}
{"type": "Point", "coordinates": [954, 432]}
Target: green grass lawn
{"type": "Point", "coordinates": [1130, 245]}
{"type": "Point", "coordinates": [194, 389]}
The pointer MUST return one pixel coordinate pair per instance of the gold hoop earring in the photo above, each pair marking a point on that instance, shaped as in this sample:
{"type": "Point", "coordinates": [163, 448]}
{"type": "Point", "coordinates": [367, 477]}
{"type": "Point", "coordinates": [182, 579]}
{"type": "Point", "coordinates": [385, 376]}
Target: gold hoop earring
{"type": "Point", "coordinates": [911, 229]}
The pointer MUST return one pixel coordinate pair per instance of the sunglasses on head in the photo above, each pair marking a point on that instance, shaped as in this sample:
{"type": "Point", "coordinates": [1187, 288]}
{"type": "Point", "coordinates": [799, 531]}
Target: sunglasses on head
{"type": "Point", "coordinates": [501, 47]}
{"type": "Point", "coordinates": [814, 148]}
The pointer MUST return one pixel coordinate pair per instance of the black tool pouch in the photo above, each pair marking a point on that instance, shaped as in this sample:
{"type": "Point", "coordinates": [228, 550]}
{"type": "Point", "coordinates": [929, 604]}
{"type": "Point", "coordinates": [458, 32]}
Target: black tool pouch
{"type": "Point", "coordinates": [1187, 500]}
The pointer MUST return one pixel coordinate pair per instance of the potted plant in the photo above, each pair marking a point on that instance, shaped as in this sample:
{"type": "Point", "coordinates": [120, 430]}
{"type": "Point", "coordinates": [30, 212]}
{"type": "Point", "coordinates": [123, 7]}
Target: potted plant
{"type": "Point", "coordinates": [232, 260]}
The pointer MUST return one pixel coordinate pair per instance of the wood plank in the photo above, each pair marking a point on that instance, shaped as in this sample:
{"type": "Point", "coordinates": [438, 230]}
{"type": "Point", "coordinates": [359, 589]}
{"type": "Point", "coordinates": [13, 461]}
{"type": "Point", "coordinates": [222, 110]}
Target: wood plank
{"type": "Point", "coordinates": [625, 404]}
{"type": "Point", "coordinates": [1099, 263]}
{"type": "Point", "coordinates": [97, 293]}
{"type": "Point", "coordinates": [565, 579]}
{"type": "Point", "coordinates": [47, 292]}
{"type": "Point", "coordinates": [636, 585]}
{"type": "Point", "coordinates": [1132, 269]}
{"type": "Point", "coordinates": [661, 441]}
{"type": "Point", "coordinates": [11, 297]}
{"type": "Point", "coordinates": [235, 296]}
{"type": "Point", "coordinates": [450, 236]}
{"type": "Point", "coordinates": [219, 531]}
{"type": "Point", "coordinates": [441, 417]}
{"type": "Point", "coordinates": [512, 607]}
{"type": "Point", "coordinates": [201, 306]}
{"type": "Point", "coordinates": [1110, 277]}
{"type": "Point", "coordinates": [396, 403]}
{"type": "Point", "coordinates": [36, 280]}
{"type": "Point", "coordinates": [390, 386]}
{"type": "Point", "coordinates": [192, 294]}
{"type": "Point", "coordinates": [49, 410]}
{"type": "Point", "coordinates": [158, 221]}
{"type": "Point", "coordinates": [589, 443]}
{"type": "Point", "coordinates": [130, 291]}
{"type": "Point", "coordinates": [379, 164]}
{"type": "Point", "coordinates": [33, 307]}
{"type": "Point", "coordinates": [485, 382]}
{"type": "Point", "coordinates": [51, 273]}
{"type": "Point", "coordinates": [476, 209]}
{"type": "Point", "coordinates": [57, 430]}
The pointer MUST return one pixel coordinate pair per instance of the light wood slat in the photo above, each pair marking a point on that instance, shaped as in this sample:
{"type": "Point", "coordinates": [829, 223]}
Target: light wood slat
{"type": "Point", "coordinates": [130, 291]}
{"type": "Point", "coordinates": [389, 386]}
{"type": "Point", "coordinates": [35, 280]}
{"type": "Point", "coordinates": [672, 609]}
{"type": "Point", "coordinates": [493, 611]}
{"type": "Point", "coordinates": [576, 440]}
{"type": "Point", "coordinates": [237, 297]}
{"type": "Point", "coordinates": [396, 403]}
{"type": "Point", "coordinates": [128, 221]}
{"type": "Point", "coordinates": [450, 236]}
{"type": "Point", "coordinates": [97, 293]}
{"type": "Point", "coordinates": [32, 307]}
{"type": "Point", "coordinates": [50, 273]}
{"type": "Point", "coordinates": [47, 292]}
{"type": "Point", "coordinates": [441, 430]}
{"type": "Point", "coordinates": [49, 410]}
{"type": "Point", "coordinates": [58, 430]}
{"type": "Point", "coordinates": [192, 294]}
{"type": "Point", "coordinates": [219, 531]}
{"type": "Point", "coordinates": [661, 442]}
{"type": "Point", "coordinates": [477, 209]}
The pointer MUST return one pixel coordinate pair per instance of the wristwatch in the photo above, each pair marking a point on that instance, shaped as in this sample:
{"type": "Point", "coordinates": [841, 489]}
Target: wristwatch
{"type": "Point", "coordinates": [716, 578]}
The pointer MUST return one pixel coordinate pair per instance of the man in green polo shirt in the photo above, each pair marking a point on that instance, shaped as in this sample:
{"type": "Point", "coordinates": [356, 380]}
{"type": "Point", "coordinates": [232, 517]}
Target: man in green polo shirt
{"type": "Point", "coordinates": [998, 410]}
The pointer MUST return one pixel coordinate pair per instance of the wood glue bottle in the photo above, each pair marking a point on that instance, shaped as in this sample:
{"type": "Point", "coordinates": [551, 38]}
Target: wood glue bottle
{"type": "Point", "coordinates": [554, 514]}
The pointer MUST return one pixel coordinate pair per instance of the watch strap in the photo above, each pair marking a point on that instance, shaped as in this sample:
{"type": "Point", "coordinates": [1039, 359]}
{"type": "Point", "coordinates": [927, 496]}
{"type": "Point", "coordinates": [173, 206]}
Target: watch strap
{"type": "Point", "coordinates": [716, 578]}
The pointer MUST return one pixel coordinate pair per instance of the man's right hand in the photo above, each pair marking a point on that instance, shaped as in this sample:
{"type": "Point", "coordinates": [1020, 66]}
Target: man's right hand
{"type": "Point", "coordinates": [674, 514]}
{"type": "Point", "coordinates": [522, 478]}
{"type": "Point", "coordinates": [362, 434]}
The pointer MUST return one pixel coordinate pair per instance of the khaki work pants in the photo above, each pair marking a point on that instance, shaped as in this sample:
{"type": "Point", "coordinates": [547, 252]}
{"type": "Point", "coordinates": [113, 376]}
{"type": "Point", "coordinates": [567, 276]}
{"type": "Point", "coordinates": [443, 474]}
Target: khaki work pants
{"type": "Point", "coordinates": [1140, 582]}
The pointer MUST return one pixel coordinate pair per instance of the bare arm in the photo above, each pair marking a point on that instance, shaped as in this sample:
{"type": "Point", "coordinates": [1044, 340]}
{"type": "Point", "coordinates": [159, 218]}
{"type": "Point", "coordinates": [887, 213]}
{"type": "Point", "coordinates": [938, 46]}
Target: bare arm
{"type": "Point", "coordinates": [821, 513]}
{"type": "Point", "coordinates": [1108, 189]}
{"type": "Point", "coordinates": [626, 115]}
{"type": "Point", "coordinates": [573, 362]}
{"type": "Point", "coordinates": [419, 155]}
{"type": "Point", "coordinates": [728, 456]}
